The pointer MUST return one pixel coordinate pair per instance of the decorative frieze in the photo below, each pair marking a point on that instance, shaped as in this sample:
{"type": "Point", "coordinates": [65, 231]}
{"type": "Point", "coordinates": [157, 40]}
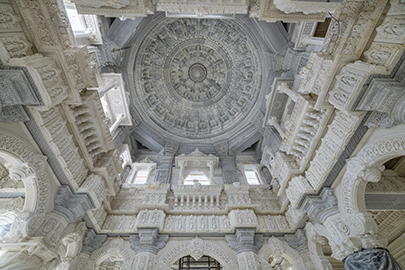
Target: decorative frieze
{"type": "Point", "coordinates": [243, 218]}
{"type": "Point", "coordinates": [151, 219]}
{"type": "Point", "coordinates": [14, 46]}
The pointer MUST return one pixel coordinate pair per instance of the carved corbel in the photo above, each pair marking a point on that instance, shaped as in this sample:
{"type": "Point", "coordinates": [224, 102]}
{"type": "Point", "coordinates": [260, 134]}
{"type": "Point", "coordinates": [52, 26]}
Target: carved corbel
{"type": "Point", "coordinates": [148, 240]}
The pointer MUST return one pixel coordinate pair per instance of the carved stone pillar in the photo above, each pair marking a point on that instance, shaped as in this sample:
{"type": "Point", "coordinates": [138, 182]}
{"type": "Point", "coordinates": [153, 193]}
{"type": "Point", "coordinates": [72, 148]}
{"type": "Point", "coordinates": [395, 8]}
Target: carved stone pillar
{"type": "Point", "coordinates": [164, 170]}
{"type": "Point", "coordinates": [246, 244]}
{"type": "Point", "coordinates": [166, 159]}
{"type": "Point", "coordinates": [146, 245]}
{"type": "Point", "coordinates": [266, 175]}
{"type": "Point", "coordinates": [229, 171]}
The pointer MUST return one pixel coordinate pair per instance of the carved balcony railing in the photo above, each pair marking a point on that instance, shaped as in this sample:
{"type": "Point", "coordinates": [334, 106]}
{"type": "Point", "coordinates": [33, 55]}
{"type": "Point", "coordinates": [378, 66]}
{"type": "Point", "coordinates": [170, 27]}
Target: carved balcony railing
{"type": "Point", "coordinates": [198, 208]}
{"type": "Point", "coordinates": [301, 138]}
{"type": "Point", "coordinates": [197, 198]}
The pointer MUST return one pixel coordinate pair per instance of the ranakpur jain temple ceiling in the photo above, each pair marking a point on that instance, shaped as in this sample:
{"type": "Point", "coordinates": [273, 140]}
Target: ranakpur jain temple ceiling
{"type": "Point", "coordinates": [251, 135]}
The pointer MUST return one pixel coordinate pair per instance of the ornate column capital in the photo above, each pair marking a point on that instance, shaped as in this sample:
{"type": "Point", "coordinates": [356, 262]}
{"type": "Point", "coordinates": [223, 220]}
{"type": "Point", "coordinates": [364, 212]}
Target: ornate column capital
{"type": "Point", "coordinates": [319, 208]}
{"type": "Point", "coordinates": [148, 240]}
{"type": "Point", "coordinates": [245, 240]}
{"type": "Point", "coordinates": [92, 241]}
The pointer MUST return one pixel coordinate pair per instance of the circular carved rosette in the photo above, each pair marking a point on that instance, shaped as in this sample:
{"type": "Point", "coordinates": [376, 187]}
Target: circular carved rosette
{"type": "Point", "coordinates": [197, 78]}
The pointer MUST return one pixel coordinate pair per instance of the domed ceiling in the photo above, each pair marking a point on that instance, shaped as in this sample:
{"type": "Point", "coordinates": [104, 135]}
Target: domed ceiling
{"type": "Point", "coordinates": [196, 79]}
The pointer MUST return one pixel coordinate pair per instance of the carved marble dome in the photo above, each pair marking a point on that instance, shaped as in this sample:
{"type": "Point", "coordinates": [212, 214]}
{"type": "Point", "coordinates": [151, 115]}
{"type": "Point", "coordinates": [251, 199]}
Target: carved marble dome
{"type": "Point", "coordinates": [194, 79]}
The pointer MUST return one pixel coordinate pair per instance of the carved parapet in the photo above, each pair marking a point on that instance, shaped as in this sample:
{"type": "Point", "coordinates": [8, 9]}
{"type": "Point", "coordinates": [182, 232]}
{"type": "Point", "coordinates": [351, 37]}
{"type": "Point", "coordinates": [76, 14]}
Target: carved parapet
{"type": "Point", "coordinates": [237, 195]}
{"type": "Point", "coordinates": [265, 200]}
{"type": "Point", "coordinates": [333, 143]}
{"type": "Point", "coordinates": [304, 130]}
{"type": "Point", "coordinates": [297, 188]}
{"type": "Point", "coordinates": [267, 10]}
{"type": "Point", "coordinates": [117, 8]}
{"type": "Point", "coordinates": [273, 224]}
{"type": "Point", "coordinates": [48, 77]}
{"type": "Point", "coordinates": [243, 219]}
{"type": "Point", "coordinates": [349, 84]}
{"type": "Point", "coordinates": [156, 195]}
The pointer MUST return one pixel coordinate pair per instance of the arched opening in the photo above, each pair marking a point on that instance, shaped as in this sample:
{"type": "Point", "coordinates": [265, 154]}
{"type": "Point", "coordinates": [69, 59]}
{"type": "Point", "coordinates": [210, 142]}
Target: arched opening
{"type": "Point", "coordinates": [189, 263]}
{"type": "Point", "coordinates": [385, 200]}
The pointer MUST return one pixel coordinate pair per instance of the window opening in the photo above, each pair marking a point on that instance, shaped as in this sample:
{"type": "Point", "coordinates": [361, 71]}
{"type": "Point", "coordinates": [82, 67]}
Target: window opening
{"type": "Point", "coordinates": [141, 177]}
{"type": "Point", "coordinates": [74, 19]}
{"type": "Point", "coordinates": [251, 177]}
{"type": "Point", "coordinates": [196, 177]}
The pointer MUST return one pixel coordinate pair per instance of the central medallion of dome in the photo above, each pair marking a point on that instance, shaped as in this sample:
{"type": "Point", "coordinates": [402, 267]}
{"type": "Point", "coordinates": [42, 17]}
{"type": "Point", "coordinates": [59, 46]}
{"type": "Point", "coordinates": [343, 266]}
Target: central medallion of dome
{"type": "Point", "coordinates": [197, 72]}
{"type": "Point", "coordinates": [197, 78]}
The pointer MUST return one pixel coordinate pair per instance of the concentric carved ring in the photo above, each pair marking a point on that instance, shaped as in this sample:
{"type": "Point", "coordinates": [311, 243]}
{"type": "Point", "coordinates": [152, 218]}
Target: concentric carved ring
{"type": "Point", "coordinates": [197, 72]}
{"type": "Point", "coordinates": [198, 69]}
{"type": "Point", "coordinates": [197, 78]}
